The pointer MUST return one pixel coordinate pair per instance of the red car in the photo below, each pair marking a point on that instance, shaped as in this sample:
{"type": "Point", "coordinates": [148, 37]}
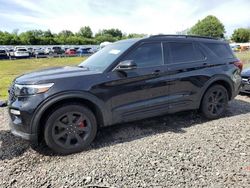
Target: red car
{"type": "Point", "coordinates": [70, 52]}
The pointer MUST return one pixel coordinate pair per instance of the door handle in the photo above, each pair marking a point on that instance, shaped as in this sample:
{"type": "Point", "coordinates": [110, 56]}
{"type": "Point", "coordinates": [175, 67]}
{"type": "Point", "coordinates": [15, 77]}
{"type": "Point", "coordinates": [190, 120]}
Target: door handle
{"type": "Point", "coordinates": [156, 72]}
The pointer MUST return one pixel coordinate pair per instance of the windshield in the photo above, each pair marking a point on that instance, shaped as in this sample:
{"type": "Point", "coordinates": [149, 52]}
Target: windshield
{"type": "Point", "coordinates": [106, 56]}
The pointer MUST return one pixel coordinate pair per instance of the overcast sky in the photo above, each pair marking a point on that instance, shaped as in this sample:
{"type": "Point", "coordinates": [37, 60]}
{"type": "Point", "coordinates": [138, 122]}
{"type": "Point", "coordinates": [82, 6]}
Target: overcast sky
{"type": "Point", "coordinates": [131, 16]}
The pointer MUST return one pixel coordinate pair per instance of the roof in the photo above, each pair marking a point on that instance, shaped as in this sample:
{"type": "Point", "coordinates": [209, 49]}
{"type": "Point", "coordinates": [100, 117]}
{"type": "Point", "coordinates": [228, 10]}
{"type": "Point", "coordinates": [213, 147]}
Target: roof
{"type": "Point", "coordinates": [184, 36]}
{"type": "Point", "coordinates": [190, 37]}
{"type": "Point", "coordinates": [161, 37]}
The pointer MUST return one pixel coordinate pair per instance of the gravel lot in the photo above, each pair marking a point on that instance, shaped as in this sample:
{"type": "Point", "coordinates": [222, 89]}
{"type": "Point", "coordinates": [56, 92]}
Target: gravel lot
{"type": "Point", "coordinates": [181, 150]}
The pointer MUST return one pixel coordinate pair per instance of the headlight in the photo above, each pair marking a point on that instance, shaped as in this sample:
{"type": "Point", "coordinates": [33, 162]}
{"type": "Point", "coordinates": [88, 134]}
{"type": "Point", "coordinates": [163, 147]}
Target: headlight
{"type": "Point", "coordinates": [21, 90]}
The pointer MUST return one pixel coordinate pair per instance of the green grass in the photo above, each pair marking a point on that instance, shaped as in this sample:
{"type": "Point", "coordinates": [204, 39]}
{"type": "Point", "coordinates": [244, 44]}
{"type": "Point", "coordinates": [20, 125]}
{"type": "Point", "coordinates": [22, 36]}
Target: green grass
{"type": "Point", "coordinates": [9, 69]}
{"type": "Point", "coordinates": [244, 57]}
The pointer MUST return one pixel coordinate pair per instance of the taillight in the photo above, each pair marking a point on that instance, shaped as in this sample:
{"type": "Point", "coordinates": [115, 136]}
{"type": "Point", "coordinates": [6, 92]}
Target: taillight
{"type": "Point", "coordinates": [239, 64]}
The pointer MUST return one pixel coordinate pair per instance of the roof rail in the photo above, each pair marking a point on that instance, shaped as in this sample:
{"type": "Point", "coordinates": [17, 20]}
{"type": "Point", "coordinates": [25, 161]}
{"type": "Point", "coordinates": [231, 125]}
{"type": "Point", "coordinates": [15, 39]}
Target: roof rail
{"type": "Point", "coordinates": [183, 36]}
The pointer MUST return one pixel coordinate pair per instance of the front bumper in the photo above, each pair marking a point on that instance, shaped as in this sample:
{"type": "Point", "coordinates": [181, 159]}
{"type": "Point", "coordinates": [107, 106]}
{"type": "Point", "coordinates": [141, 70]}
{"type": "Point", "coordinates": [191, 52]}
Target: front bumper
{"type": "Point", "coordinates": [245, 85]}
{"type": "Point", "coordinates": [23, 135]}
{"type": "Point", "coordinates": [245, 88]}
{"type": "Point", "coordinates": [19, 129]}
{"type": "Point", "coordinates": [21, 112]}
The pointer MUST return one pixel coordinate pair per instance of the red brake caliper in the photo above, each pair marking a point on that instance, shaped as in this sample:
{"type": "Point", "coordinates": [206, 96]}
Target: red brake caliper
{"type": "Point", "coordinates": [82, 124]}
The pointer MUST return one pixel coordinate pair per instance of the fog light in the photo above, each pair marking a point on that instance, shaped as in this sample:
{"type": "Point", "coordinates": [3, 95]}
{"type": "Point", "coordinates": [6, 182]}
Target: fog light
{"type": "Point", "coordinates": [15, 112]}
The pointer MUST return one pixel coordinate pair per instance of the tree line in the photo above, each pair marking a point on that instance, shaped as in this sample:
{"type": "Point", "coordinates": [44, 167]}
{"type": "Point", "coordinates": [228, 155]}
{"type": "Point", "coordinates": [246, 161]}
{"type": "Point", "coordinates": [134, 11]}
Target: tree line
{"type": "Point", "coordinates": [83, 36]}
{"type": "Point", "coordinates": [213, 27]}
{"type": "Point", "coordinates": [209, 26]}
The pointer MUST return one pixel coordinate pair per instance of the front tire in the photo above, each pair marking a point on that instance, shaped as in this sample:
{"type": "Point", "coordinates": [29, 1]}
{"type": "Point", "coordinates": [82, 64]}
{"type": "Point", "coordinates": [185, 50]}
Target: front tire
{"type": "Point", "coordinates": [214, 102]}
{"type": "Point", "coordinates": [70, 128]}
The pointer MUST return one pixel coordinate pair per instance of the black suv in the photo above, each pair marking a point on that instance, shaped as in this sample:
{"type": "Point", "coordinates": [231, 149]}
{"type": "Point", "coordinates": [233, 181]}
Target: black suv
{"type": "Point", "coordinates": [3, 54]}
{"type": "Point", "coordinates": [57, 50]}
{"type": "Point", "coordinates": [125, 81]}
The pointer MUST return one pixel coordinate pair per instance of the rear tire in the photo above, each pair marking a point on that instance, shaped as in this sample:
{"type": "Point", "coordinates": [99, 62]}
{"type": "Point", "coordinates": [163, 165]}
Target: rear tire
{"type": "Point", "coordinates": [214, 102]}
{"type": "Point", "coordinates": [70, 128]}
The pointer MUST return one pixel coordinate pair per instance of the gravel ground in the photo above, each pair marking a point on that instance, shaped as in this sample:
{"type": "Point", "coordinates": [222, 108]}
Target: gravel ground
{"type": "Point", "coordinates": [181, 150]}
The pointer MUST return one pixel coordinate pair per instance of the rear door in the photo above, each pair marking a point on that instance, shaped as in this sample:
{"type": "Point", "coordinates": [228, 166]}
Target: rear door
{"type": "Point", "coordinates": [185, 62]}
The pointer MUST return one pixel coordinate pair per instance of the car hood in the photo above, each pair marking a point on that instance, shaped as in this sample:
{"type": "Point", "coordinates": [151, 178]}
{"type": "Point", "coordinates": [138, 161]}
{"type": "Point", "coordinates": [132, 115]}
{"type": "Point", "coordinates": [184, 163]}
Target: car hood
{"type": "Point", "coordinates": [48, 75]}
{"type": "Point", "coordinates": [246, 72]}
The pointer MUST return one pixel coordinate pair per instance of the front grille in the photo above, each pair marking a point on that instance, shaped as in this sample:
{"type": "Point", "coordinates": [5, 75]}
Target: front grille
{"type": "Point", "coordinates": [12, 93]}
{"type": "Point", "coordinates": [245, 77]}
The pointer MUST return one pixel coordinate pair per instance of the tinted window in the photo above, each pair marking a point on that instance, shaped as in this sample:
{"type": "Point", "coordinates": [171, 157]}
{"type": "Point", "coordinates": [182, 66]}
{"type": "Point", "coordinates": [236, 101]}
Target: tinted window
{"type": "Point", "coordinates": [182, 52]}
{"type": "Point", "coordinates": [147, 55]}
{"type": "Point", "coordinates": [220, 50]}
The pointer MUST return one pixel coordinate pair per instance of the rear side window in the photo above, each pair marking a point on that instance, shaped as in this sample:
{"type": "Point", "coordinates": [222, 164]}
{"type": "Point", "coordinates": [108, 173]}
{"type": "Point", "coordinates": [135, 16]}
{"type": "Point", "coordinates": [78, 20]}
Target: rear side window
{"type": "Point", "coordinates": [220, 50]}
{"type": "Point", "coordinates": [180, 52]}
{"type": "Point", "coordinates": [147, 55]}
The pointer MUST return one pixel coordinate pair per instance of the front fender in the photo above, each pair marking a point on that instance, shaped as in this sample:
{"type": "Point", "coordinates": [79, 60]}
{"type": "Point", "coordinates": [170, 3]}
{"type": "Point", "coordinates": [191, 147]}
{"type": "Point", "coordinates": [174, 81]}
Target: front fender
{"type": "Point", "coordinates": [68, 95]}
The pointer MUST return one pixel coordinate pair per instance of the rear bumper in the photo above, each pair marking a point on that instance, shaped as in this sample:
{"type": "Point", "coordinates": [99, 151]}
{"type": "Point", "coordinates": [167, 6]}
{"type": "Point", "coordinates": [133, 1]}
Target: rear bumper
{"type": "Point", "coordinates": [21, 55]}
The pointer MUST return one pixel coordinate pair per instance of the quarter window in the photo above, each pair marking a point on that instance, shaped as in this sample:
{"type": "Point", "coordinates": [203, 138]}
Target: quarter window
{"type": "Point", "coordinates": [220, 50]}
{"type": "Point", "coordinates": [147, 55]}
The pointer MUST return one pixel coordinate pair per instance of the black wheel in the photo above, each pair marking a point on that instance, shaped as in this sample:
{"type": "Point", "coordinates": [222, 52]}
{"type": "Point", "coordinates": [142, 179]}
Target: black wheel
{"type": "Point", "coordinates": [70, 129]}
{"type": "Point", "coordinates": [214, 102]}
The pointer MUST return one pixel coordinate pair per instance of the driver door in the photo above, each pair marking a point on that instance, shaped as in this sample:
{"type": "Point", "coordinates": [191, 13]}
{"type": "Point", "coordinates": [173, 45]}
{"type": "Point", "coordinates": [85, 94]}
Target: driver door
{"type": "Point", "coordinates": [142, 91]}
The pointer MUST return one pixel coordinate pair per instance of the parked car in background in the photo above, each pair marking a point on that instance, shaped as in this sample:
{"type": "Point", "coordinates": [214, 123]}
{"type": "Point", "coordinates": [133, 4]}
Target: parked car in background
{"type": "Point", "coordinates": [17, 47]}
{"type": "Point", "coordinates": [245, 87]}
{"type": "Point", "coordinates": [3, 54]}
{"type": "Point", "coordinates": [57, 50]}
{"type": "Point", "coordinates": [70, 51]}
{"type": "Point", "coordinates": [64, 48]}
{"type": "Point", "coordinates": [10, 52]}
{"type": "Point", "coordinates": [31, 51]}
{"type": "Point", "coordinates": [84, 51]}
{"type": "Point", "coordinates": [94, 50]}
{"type": "Point", "coordinates": [40, 52]}
{"type": "Point", "coordinates": [106, 43]}
{"type": "Point", "coordinates": [48, 51]}
{"type": "Point", "coordinates": [236, 48]}
{"type": "Point", "coordinates": [125, 81]}
{"type": "Point", "coordinates": [21, 53]}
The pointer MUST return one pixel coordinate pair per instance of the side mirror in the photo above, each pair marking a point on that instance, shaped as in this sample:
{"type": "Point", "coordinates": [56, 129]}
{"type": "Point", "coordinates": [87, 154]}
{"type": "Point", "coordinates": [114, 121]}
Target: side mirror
{"type": "Point", "coordinates": [126, 65]}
